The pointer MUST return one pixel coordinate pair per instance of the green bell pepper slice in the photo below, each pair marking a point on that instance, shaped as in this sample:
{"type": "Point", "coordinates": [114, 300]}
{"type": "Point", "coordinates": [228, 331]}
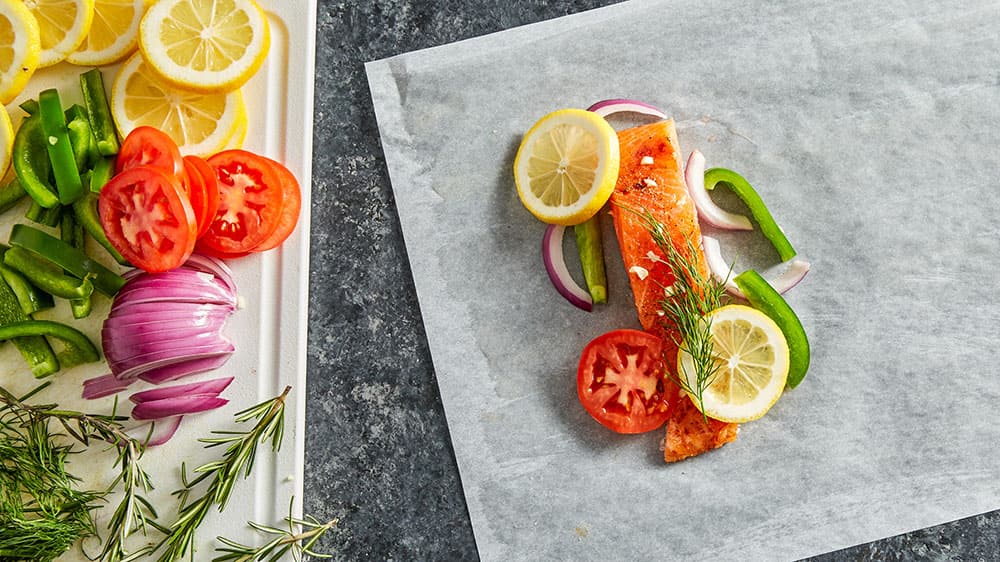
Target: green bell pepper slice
{"type": "Point", "coordinates": [35, 349]}
{"type": "Point", "coordinates": [67, 257]}
{"type": "Point", "coordinates": [101, 123]}
{"type": "Point", "coordinates": [31, 162]}
{"type": "Point", "coordinates": [77, 347]}
{"type": "Point", "coordinates": [742, 188]}
{"type": "Point", "coordinates": [69, 186]}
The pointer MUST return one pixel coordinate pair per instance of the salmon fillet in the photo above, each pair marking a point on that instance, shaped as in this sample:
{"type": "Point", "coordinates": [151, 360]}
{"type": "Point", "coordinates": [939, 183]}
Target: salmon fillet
{"type": "Point", "coordinates": [650, 179]}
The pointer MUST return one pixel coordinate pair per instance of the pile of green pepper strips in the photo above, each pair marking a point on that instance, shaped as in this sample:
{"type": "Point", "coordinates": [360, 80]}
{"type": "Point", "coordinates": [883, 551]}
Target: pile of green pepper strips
{"type": "Point", "coordinates": [61, 159]}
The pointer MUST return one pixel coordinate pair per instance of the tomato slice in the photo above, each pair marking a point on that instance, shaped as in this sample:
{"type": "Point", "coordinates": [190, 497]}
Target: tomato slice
{"type": "Point", "coordinates": [289, 210]}
{"type": "Point", "coordinates": [203, 191]}
{"type": "Point", "coordinates": [148, 219]}
{"type": "Point", "coordinates": [250, 202]}
{"type": "Point", "coordinates": [149, 146]}
{"type": "Point", "coordinates": [622, 381]}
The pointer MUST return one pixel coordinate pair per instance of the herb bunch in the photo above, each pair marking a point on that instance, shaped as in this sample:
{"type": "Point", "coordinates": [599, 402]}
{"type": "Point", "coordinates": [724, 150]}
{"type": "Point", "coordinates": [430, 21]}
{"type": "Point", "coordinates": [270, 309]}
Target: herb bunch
{"type": "Point", "coordinates": [685, 304]}
{"type": "Point", "coordinates": [223, 474]}
{"type": "Point", "coordinates": [42, 511]}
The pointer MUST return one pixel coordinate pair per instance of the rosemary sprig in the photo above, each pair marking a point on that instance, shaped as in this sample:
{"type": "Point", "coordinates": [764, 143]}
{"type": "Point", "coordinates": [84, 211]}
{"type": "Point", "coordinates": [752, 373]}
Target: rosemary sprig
{"type": "Point", "coordinates": [685, 304]}
{"type": "Point", "coordinates": [25, 431]}
{"type": "Point", "coordinates": [298, 538]}
{"type": "Point", "coordinates": [223, 474]}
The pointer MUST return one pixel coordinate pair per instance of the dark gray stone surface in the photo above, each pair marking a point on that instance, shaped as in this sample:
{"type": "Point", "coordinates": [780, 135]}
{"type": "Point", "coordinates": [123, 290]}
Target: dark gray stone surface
{"type": "Point", "coordinates": [378, 454]}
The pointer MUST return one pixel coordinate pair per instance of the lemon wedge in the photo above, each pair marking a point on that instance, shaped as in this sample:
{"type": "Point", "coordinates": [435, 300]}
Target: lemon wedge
{"type": "Point", "coordinates": [205, 45]}
{"type": "Point", "coordinates": [20, 48]}
{"type": "Point", "coordinates": [63, 24]}
{"type": "Point", "coordinates": [113, 33]}
{"type": "Point", "coordinates": [751, 360]}
{"type": "Point", "coordinates": [6, 140]}
{"type": "Point", "coordinates": [200, 124]}
{"type": "Point", "coordinates": [567, 165]}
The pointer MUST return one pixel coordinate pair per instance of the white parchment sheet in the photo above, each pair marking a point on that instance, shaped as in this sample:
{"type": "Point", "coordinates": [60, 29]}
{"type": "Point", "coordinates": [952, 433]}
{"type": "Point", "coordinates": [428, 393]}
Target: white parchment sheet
{"type": "Point", "coordinates": [871, 129]}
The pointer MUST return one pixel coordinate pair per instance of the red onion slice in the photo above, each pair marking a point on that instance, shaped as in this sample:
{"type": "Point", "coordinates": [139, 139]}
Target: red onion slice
{"type": "Point", "coordinates": [104, 385]}
{"type": "Point", "coordinates": [162, 430]}
{"type": "Point", "coordinates": [555, 265]}
{"type": "Point", "coordinates": [214, 386]}
{"type": "Point", "coordinates": [215, 266]}
{"type": "Point", "coordinates": [793, 274]}
{"type": "Point", "coordinates": [183, 369]}
{"type": "Point", "coordinates": [176, 406]}
{"type": "Point", "coordinates": [708, 211]}
{"type": "Point", "coordinates": [136, 366]}
{"type": "Point", "coordinates": [156, 311]}
{"type": "Point", "coordinates": [605, 108]}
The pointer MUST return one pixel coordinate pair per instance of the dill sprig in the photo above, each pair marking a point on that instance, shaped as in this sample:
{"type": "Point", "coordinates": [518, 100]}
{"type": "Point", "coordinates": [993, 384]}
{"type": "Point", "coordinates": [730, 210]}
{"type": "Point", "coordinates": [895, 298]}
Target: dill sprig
{"type": "Point", "coordinates": [298, 538]}
{"type": "Point", "coordinates": [685, 305]}
{"type": "Point", "coordinates": [39, 492]}
{"type": "Point", "coordinates": [223, 474]}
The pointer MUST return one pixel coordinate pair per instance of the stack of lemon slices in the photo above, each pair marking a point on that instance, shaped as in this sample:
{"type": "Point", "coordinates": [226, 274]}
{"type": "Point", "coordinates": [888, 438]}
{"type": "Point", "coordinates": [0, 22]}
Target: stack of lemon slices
{"type": "Point", "coordinates": [185, 60]}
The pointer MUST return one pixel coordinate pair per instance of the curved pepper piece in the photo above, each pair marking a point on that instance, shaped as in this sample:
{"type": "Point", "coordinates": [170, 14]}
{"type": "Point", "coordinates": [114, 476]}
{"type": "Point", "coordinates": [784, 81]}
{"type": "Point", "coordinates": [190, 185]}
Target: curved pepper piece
{"type": "Point", "coordinates": [31, 162]}
{"type": "Point", "coordinates": [77, 347]}
{"type": "Point", "coordinates": [742, 188]}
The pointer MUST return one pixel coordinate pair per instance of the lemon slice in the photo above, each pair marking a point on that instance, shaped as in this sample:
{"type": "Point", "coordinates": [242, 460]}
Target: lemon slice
{"type": "Point", "coordinates": [751, 357]}
{"type": "Point", "coordinates": [200, 124]}
{"type": "Point", "coordinates": [20, 47]}
{"type": "Point", "coordinates": [6, 140]}
{"type": "Point", "coordinates": [240, 134]}
{"type": "Point", "coordinates": [113, 33]}
{"type": "Point", "coordinates": [64, 25]}
{"type": "Point", "coordinates": [205, 45]}
{"type": "Point", "coordinates": [567, 166]}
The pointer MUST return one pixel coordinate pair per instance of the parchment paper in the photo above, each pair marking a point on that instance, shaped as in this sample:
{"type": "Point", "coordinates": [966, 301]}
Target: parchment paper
{"type": "Point", "coordinates": [871, 129]}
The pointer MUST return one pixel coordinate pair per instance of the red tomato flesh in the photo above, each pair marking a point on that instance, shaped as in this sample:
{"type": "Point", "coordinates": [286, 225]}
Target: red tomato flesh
{"type": "Point", "coordinates": [148, 219]}
{"type": "Point", "coordinates": [289, 210]}
{"type": "Point", "coordinates": [203, 191]}
{"type": "Point", "coordinates": [148, 146]}
{"type": "Point", "coordinates": [250, 203]}
{"type": "Point", "coordinates": [621, 381]}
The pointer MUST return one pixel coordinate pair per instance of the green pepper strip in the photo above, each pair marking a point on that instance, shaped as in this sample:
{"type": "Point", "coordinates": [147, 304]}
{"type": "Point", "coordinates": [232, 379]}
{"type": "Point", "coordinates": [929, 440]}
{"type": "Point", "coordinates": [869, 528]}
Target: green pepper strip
{"type": "Point", "coordinates": [591, 251]}
{"type": "Point", "coordinates": [77, 347]}
{"type": "Point", "coordinates": [46, 276]}
{"type": "Point", "coordinates": [11, 194]}
{"type": "Point", "coordinates": [41, 215]}
{"type": "Point", "coordinates": [31, 162]}
{"type": "Point", "coordinates": [86, 214]}
{"type": "Point", "coordinates": [28, 296]}
{"type": "Point", "coordinates": [29, 106]}
{"type": "Point", "coordinates": [68, 182]}
{"type": "Point", "coordinates": [71, 233]}
{"type": "Point", "coordinates": [102, 173]}
{"type": "Point", "coordinates": [96, 100]}
{"type": "Point", "coordinates": [35, 349]}
{"type": "Point", "coordinates": [765, 298]}
{"type": "Point", "coordinates": [752, 200]}
{"type": "Point", "coordinates": [67, 257]}
{"type": "Point", "coordinates": [81, 138]}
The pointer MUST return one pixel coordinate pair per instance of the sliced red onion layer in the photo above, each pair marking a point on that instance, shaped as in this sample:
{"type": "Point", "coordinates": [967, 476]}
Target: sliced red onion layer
{"type": "Point", "coordinates": [555, 265]}
{"type": "Point", "coordinates": [213, 386]}
{"type": "Point", "coordinates": [134, 366]}
{"type": "Point", "coordinates": [214, 266]}
{"type": "Point", "coordinates": [175, 371]}
{"type": "Point", "coordinates": [178, 405]}
{"type": "Point", "coordinates": [722, 271]}
{"type": "Point", "coordinates": [708, 211]}
{"type": "Point", "coordinates": [605, 108]}
{"type": "Point", "coordinates": [104, 385]}
{"type": "Point", "coordinates": [162, 430]}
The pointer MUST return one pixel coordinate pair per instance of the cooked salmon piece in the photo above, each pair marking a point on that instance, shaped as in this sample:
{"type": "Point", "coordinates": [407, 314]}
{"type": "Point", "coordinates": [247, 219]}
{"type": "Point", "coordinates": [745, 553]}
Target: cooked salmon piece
{"type": "Point", "coordinates": [650, 179]}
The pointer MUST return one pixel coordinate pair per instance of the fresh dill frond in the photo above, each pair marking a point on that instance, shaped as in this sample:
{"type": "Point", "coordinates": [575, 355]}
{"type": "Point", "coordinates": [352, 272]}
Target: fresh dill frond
{"type": "Point", "coordinates": [685, 305]}
{"type": "Point", "coordinates": [298, 539]}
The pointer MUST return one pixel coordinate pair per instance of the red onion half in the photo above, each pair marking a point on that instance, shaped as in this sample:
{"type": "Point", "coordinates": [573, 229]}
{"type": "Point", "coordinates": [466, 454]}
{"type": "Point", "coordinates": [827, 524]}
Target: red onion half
{"type": "Point", "coordinates": [708, 211]}
{"type": "Point", "coordinates": [605, 108]}
{"type": "Point", "coordinates": [555, 265]}
{"type": "Point", "coordinates": [793, 274]}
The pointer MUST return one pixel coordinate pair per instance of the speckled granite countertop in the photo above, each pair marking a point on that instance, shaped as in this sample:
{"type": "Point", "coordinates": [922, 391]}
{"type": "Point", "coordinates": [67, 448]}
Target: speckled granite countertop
{"type": "Point", "coordinates": [378, 454]}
